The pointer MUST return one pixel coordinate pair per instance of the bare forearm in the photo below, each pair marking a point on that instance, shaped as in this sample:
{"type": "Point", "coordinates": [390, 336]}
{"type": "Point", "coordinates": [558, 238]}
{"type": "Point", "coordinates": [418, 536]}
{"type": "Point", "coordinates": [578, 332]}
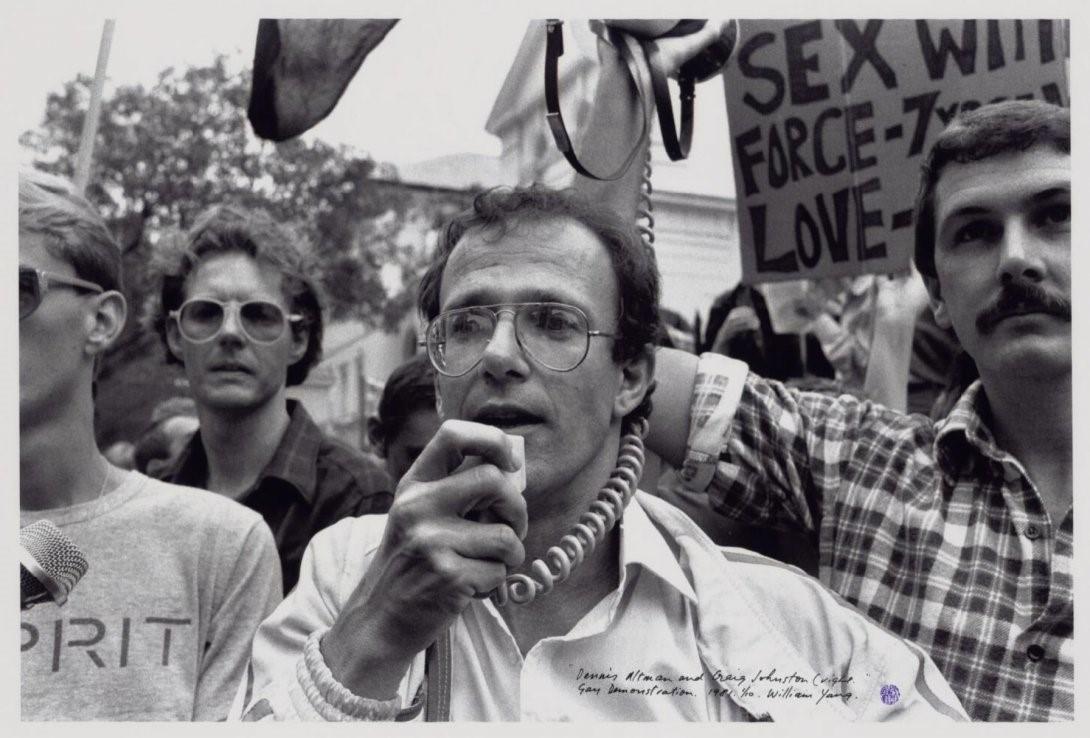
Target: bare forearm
{"type": "Point", "coordinates": [612, 129]}
{"type": "Point", "coordinates": [366, 662]}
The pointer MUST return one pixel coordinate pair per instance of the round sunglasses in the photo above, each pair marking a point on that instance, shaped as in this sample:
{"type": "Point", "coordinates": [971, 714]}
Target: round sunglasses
{"type": "Point", "coordinates": [202, 319]}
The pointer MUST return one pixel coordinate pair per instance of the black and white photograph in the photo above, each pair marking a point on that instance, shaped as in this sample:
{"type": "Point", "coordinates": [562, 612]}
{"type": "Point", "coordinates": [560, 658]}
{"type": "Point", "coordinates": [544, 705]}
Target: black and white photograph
{"type": "Point", "coordinates": [500, 363]}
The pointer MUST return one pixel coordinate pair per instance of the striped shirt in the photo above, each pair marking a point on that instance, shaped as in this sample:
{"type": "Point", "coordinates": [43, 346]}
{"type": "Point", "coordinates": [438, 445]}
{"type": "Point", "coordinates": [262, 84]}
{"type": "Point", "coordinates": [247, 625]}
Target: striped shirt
{"type": "Point", "coordinates": [929, 528]}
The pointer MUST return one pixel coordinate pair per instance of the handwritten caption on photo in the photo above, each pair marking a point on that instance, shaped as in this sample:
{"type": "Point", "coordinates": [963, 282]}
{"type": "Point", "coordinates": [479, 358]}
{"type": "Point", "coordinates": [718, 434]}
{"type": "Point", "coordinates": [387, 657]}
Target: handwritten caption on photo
{"type": "Point", "coordinates": [762, 684]}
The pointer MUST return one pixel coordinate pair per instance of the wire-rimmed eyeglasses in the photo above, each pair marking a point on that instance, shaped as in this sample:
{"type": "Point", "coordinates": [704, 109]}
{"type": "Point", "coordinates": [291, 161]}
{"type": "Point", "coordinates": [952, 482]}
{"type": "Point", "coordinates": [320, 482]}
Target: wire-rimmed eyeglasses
{"type": "Point", "coordinates": [553, 334]}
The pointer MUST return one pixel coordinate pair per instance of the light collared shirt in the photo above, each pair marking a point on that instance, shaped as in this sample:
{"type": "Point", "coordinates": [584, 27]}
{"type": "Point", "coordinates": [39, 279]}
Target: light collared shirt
{"type": "Point", "coordinates": [692, 632]}
{"type": "Point", "coordinates": [928, 527]}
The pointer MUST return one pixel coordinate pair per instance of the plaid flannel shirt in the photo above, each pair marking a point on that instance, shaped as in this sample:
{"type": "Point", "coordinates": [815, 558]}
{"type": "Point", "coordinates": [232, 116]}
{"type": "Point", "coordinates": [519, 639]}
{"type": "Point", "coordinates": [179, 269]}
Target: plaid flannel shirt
{"type": "Point", "coordinates": [929, 528]}
{"type": "Point", "coordinates": [311, 482]}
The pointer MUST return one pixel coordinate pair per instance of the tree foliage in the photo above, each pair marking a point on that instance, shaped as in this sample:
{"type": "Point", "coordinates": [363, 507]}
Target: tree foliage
{"type": "Point", "coordinates": [166, 152]}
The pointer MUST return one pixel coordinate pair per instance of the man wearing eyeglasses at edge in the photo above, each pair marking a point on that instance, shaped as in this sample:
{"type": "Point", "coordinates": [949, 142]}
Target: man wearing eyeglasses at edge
{"type": "Point", "coordinates": [160, 626]}
{"type": "Point", "coordinates": [543, 312]}
{"type": "Point", "coordinates": [237, 307]}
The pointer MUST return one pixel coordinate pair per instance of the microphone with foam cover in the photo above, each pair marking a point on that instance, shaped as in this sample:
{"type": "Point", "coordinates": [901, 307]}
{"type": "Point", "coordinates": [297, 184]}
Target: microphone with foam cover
{"type": "Point", "coordinates": [49, 564]}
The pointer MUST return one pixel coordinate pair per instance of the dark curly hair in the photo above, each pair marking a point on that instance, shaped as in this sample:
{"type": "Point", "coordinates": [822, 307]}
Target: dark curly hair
{"type": "Point", "coordinates": [224, 229]}
{"type": "Point", "coordinates": [498, 210]}
{"type": "Point", "coordinates": [981, 133]}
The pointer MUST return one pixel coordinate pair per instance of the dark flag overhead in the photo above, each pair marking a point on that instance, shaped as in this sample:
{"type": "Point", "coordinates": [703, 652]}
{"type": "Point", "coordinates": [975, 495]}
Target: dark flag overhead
{"type": "Point", "coordinates": [302, 67]}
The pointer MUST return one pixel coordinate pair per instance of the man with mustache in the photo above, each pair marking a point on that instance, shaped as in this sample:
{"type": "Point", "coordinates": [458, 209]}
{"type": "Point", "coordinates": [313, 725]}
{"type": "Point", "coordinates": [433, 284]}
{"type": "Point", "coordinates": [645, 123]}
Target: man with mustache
{"type": "Point", "coordinates": [238, 308]}
{"type": "Point", "coordinates": [605, 605]}
{"type": "Point", "coordinates": [956, 534]}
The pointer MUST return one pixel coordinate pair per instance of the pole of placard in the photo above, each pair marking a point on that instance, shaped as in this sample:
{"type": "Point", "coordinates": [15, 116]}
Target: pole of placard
{"type": "Point", "coordinates": [90, 123]}
{"type": "Point", "coordinates": [361, 401]}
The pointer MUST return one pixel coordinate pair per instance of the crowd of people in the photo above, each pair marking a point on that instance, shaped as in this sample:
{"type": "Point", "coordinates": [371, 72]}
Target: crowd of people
{"type": "Point", "coordinates": [910, 453]}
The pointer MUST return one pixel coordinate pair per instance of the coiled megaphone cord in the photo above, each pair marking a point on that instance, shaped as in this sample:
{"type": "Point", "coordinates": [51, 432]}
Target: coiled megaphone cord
{"type": "Point", "coordinates": [593, 526]}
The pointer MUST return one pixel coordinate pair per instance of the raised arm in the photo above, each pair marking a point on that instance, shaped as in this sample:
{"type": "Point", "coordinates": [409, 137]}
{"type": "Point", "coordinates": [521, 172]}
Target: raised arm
{"type": "Point", "coordinates": [612, 129]}
{"type": "Point", "coordinates": [616, 117]}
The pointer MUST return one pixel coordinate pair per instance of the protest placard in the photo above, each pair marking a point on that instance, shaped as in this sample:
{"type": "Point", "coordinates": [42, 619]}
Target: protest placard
{"type": "Point", "coordinates": [829, 120]}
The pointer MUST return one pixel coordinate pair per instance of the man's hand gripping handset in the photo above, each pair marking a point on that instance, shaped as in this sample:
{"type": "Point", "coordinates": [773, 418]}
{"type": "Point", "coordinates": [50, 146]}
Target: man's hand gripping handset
{"type": "Point", "coordinates": [453, 533]}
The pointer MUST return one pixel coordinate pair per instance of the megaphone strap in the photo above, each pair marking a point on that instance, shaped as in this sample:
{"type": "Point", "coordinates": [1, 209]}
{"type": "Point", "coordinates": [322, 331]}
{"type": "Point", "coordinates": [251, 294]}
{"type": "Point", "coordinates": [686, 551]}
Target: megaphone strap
{"type": "Point", "coordinates": [676, 148]}
{"type": "Point", "coordinates": [554, 49]}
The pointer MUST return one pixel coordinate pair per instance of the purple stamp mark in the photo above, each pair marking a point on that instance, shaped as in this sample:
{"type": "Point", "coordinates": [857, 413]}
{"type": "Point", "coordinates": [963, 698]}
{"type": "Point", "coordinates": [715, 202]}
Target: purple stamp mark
{"type": "Point", "coordinates": [890, 694]}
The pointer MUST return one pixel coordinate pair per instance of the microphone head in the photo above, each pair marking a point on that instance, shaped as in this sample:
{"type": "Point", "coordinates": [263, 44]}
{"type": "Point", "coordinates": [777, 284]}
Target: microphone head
{"type": "Point", "coordinates": [50, 560]}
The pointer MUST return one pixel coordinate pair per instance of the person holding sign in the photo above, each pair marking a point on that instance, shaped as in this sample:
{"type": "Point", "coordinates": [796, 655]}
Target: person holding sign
{"type": "Point", "coordinates": [956, 534]}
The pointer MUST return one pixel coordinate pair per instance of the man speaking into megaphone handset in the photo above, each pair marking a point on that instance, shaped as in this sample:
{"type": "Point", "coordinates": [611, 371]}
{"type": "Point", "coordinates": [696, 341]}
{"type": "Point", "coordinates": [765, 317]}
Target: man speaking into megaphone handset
{"type": "Point", "coordinates": [519, 575]}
